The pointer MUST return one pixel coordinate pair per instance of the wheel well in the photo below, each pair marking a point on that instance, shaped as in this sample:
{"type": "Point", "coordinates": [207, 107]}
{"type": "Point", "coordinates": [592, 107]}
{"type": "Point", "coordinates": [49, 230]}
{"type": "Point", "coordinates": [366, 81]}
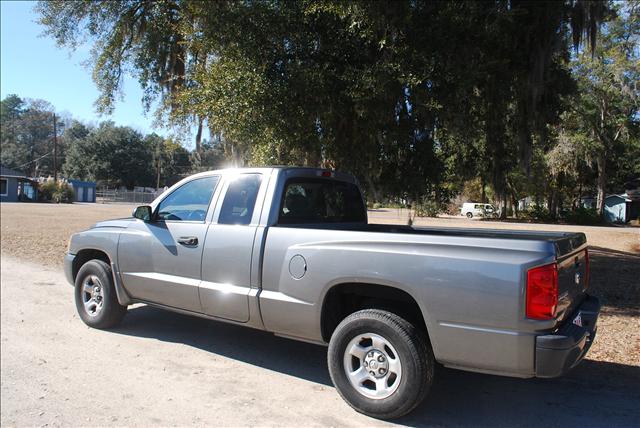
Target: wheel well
{"type": "Point", "coordinates": [84, 256]}
{"type": "Point", "coordinates": [345, 299]}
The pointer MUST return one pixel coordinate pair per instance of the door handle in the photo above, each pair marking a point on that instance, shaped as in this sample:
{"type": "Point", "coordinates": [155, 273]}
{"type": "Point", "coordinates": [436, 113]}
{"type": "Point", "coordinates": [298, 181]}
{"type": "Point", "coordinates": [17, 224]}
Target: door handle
{"type": "Point", "coordinates": [188, 241]}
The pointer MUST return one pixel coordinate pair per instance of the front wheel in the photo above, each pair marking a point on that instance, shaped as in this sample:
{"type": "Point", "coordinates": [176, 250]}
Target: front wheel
{"type": "Point", "coordinates": [95, 296]}
{"type": "Point", "coordinates": [380, 363]}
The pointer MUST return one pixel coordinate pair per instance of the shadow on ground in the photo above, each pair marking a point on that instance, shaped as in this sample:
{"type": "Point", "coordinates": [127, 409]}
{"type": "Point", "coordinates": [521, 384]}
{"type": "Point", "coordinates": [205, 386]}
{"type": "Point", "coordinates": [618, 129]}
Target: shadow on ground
{"type": "Point", "coordinates": [615, 280]}
{"type": "Point", "coordinates": [594, 394]}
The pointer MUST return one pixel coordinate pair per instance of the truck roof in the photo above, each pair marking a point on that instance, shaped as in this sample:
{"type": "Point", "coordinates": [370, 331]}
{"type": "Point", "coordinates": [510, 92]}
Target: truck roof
{"type": "Point", "coordinates": [288, 171]}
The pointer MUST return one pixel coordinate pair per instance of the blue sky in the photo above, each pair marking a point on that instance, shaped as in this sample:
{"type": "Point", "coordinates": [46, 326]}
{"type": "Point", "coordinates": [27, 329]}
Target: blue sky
{"type": "Point", "coordinates": [33, 66]}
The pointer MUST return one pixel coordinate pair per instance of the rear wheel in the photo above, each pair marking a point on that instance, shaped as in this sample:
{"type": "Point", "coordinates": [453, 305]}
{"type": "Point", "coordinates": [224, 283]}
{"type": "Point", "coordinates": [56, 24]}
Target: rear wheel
{"type": "Point", "coordinates": [95, 295]}
{"type": "Point", "coordinates": [380, 363]}
{"type": "Point", "coordinates": [469, 215]}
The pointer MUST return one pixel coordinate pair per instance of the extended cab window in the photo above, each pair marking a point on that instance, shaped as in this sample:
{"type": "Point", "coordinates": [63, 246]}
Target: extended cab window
{"type": "Point", "coordinates": [190, 201]}
{"type": "Point", "coordinates": [240, 199]}
{"type": "Point", "coordinates": [315, 200]}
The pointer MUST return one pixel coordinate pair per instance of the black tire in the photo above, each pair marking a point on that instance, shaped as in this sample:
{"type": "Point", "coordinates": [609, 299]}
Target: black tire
{"type": "Point", "coordinates": [414, 352]}
{"type": "Point", "coordinates": [111, 311]}
{"type": "Point", "coordinates": [469, 215]}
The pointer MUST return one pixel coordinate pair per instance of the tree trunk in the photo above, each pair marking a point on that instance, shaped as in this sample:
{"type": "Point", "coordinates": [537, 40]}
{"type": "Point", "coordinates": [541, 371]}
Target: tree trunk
{"type": "Point", "coordinates": [602, 182]}
{"type": "Point", "coordinates": [199, 136]}
{"type": "Point", "coordinates": [495, 137]}
{"type": "Point", "coordinates": [482, 190]}
{"type": "Point", "coordinates": [375, 192]}
{"type": "Point", "coordinates": [524, 136]}
{"type": "Point", "coordinates": [553, 203]}
{"type": "Point", "coordinates": [514, 202]}
{"type": "Point", "coordinates": [579, 203]}
{"type": "Point", "coordinates": [504, 204]}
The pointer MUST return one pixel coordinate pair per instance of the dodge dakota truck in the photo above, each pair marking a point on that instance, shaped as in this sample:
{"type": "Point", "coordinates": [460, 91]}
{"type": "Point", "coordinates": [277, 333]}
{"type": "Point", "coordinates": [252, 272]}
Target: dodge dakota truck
{"type": "Point", "coordinates": [290, 251]}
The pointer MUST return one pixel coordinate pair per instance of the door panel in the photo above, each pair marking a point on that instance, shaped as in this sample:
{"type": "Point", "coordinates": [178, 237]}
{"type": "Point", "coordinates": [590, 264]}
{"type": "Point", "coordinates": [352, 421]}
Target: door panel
{"type": "Point", "coordinates": [226, 261]}
{"type": "Point", "coordinates": [226, 271]}
{"type": "Point", "coordinates": [160, 260]}
{"type": "Point", "coordinates": [156, 268]}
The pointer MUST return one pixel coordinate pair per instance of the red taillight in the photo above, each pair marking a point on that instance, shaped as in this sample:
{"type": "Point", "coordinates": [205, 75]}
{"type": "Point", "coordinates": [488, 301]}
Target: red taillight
{"type": "Point", "coordinates": [542, 292]}
{"type": "Point", "coordinates": [587, 268]}
{"type": "Point", "coordinates": [326, 173]}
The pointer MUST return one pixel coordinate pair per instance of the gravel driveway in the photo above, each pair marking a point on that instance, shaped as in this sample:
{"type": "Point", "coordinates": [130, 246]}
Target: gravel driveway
{"type": "Point", "coordinates": [160, 368]}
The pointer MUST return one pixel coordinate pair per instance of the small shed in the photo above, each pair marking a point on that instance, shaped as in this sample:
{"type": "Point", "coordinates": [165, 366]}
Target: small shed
{"type": "Point", "coordinates": [85, 191]}
{"type": "Point", "coordinates": [617, 208]}
{"type": "Point", "coordinates": [16, 187]}
{"type": "Point", "coordinates": [588, 202]}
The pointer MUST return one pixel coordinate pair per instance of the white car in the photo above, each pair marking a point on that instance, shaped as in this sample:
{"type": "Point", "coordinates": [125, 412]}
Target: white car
{"type": "Point", "coordinates": [473, 209]}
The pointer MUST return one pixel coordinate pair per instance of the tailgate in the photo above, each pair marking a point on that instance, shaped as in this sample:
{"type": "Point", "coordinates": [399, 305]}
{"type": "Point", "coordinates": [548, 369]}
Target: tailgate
{"type": "Point", "coordinates": [573, 277]}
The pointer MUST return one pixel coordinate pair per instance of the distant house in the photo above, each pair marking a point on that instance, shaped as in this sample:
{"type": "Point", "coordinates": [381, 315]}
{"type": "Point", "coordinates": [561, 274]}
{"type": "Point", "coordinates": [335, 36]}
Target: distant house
{"type": "Point", "coordinates": [588, 202]}
{"type": "Point", "coordinates": [525, 203]}
{"type": "Point", "coordinates": [85, 191]}
{"type": "Point", "coordinates": [619, 208]}
{"type": "Point", "coordinates": [16, 187]}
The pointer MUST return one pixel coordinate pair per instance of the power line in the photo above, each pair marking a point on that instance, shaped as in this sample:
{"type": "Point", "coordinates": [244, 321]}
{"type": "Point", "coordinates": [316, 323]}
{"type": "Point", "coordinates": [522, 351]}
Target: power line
{"type": "Point", "coordinates": [35, 160]}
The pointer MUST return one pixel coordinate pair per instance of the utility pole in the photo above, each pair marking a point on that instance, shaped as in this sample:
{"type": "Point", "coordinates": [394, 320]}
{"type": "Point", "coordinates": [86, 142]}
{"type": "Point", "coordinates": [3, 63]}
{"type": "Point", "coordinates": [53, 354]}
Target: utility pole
{"type": "Point", "coordinates": [55, 149]}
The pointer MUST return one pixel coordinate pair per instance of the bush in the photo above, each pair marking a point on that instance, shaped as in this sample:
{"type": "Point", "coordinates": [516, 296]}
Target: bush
{"type": "Point", "coordinates": [583, 216]}
{"type": "Point", "coordinates": [427, 208]}
{"type": "Point", "coordinates": [46, 190]}
{"type": "Point", "coordinates": [64, 194]}
{"type": "Point", "coordinates": [388, 204]}
{"type": "Point", "coordinates": [537, 213]}
{"type": "Point", "coordinates": [60, 192]}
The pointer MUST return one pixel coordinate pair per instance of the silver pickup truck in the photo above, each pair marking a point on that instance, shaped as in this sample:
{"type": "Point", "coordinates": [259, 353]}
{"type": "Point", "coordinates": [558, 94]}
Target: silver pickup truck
{"type": "Point", "coordinates": [289, 250]}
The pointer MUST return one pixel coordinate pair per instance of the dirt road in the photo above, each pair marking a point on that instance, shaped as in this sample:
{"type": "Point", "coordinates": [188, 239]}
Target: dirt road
{"type": "Point", "coordinates": [160, 368]}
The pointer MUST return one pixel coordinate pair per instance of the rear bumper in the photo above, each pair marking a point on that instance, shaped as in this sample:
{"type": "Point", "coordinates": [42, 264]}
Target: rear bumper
{"type": "Point", "coordinates": [559, 352]}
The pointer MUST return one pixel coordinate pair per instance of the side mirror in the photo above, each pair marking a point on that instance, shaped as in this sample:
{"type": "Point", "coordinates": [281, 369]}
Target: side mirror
{"type": "Point", "coordinates": [143, 212]}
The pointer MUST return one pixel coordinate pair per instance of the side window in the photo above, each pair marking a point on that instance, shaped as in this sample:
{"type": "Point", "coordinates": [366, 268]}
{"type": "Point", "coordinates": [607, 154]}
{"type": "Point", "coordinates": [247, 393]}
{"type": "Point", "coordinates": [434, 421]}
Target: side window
{"type": "Point", "coordinates": [477, 207]}
{"type": "Point", "coordinates": [309, 200]}
{"type": "Point", "coordinates": [240, 200]}
{"type": "Point", "coordinates": [190, 201]}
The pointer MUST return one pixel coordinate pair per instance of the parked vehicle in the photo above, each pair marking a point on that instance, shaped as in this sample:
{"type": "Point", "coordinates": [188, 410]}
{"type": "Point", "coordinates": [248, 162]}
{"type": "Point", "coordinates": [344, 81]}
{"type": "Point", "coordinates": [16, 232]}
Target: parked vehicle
{"type": "Point", "coordinates": [289, 251]}
{"type": "Point", "coordinates": [473, 209]}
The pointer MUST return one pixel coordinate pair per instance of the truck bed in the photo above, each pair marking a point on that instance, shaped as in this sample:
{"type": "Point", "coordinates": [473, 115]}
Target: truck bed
{"type": "Point", "coordinates": [565, 242]}
{"type": "Point", "coordinates": [470, 282]}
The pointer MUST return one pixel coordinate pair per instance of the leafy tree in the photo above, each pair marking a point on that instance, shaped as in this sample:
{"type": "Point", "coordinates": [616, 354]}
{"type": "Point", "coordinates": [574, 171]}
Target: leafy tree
{"type": "Point", "coordinates": [415, 98]}
{"type": "Point", "coordinates": [27, 135]}
{"type": "Point", "coordinates": [170, 160]}
{"type": "Point", "coordinates": [11, 111]}
{"type": "Point", "coordinates": [111, 155]}
{"type": "Point", "coordinates": [211, 156]}
{"type": "Point", "coordinates": [603, 121]}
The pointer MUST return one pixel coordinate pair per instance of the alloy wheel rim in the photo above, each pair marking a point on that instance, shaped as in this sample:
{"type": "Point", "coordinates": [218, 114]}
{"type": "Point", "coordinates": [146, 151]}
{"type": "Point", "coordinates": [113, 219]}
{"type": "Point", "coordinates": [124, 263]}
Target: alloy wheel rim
{"type": "Point", "coordinates": [92, 295]}
{"type": "Point", "coordinates": [372, 366]}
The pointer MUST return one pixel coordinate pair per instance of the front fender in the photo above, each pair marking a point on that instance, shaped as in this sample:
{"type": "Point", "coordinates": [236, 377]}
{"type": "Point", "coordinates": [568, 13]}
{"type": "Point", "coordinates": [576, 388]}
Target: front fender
{"type": "Point", "coordinates": [104, 240]}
